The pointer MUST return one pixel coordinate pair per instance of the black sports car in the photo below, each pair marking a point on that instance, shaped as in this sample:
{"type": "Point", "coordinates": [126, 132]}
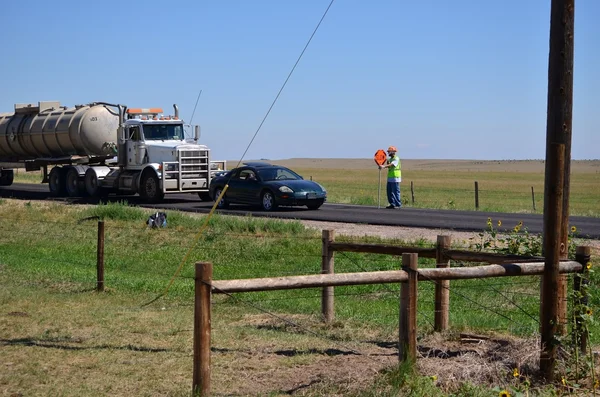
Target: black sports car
{"type": "Point", "coordinates": [267, 186]}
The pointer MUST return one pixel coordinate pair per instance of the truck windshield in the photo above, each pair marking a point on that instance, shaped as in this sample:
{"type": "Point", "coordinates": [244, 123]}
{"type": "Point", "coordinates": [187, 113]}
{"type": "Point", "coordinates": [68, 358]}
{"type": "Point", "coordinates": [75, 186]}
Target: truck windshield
{"type": "Point", "coordinates": [155, 132]}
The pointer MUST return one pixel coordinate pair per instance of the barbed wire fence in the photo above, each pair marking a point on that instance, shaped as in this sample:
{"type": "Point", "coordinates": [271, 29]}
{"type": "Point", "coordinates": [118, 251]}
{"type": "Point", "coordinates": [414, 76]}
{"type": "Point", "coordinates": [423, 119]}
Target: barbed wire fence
{"type": "Point", "coordinates": [487, 305]}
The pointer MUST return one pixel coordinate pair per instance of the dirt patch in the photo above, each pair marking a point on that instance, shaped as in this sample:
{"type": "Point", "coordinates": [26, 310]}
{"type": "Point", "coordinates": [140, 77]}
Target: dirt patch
{"type": "Point", "coordinates": [479, 359]}
{"type": "Point", "coordinates": [340, 369]}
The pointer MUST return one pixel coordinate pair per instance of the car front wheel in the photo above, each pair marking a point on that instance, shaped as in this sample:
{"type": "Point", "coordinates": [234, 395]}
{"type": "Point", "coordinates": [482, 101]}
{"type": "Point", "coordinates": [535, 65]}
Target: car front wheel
{"type": "Point", "coordinates": [315, 205]}
{"type": "Point", "coordinates": [204, 196]}
{"type": "Point", "coordinates": [267, 201]}
{"type": "Point", "coordinates": [223, 202]}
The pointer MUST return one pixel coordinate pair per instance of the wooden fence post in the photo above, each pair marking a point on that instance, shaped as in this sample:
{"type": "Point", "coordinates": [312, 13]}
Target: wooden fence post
{"type": "Point", "coordinates": [533, 198]}
{"type": "Point", "coordinates": [580, 302]}
{"type": "Point", "coordinates": [202, 307]}
{"type": "Point", "coordinates": [100, 258]}
{"type": "Point", "coordinates": [476, 195]}
{"type": "Point", "coordinates": [327, 267]}
{"type": "Point", "coordinates": [550, 315]}
{"type": "Point", "coordinates": [442, 287]}
{"type": "Point", "coordinates": [412, 192]}
{"type": "Point", "coordinates": [559, 123]}
{"type": "Point", "coordinates": [407, 343]}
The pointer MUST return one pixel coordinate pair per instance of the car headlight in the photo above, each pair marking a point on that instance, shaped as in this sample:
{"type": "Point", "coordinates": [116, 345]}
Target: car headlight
{"type": "Point", "coordinates": [285, 189]}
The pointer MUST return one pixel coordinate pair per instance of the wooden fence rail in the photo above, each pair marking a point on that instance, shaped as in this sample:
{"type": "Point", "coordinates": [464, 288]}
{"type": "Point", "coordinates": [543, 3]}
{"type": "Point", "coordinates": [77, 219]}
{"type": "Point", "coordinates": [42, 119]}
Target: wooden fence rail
{"type": "Point", "coordinates": [442, 253]}
{"type": "Point", "coordinates": [409, 276]}
{"type": "Point", "coordinates": [387, 277]}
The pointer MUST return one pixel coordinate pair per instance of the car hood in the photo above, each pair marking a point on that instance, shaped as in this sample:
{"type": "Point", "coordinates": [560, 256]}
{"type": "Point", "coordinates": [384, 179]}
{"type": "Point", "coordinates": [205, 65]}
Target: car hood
{"type": "Point", "coordinates": [297, 185]}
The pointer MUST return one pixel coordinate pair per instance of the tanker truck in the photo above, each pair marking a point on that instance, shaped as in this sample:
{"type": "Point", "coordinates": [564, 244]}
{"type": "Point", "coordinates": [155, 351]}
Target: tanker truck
{"type": "Point", "coordinates": [99, 148]}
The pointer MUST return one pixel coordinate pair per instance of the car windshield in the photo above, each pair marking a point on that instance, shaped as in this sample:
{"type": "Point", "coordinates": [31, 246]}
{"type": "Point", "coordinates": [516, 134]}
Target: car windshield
{"type": "Point", "coordinates": [155, 132]}
{"type": "Point", "coordinates": [277, 173]}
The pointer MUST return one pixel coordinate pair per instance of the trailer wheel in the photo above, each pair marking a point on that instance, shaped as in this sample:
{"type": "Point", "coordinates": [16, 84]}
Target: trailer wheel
{"type": "Point", "coordinates": [150, 188]}
{"type": "Point", "coordinates": [73, 183]}
{"type": "Point", "coordinates": [91, 182]}
{"type": "Point", "coordinates": [56, 181]}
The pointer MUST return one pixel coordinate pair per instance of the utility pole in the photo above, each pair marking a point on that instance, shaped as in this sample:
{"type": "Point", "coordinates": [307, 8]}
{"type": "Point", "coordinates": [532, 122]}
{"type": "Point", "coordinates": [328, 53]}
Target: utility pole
{"type": "Point", "coordinates": [556, 189]}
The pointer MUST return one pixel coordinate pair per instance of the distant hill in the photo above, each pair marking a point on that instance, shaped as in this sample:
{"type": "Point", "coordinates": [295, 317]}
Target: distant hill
{"type": "Point", "coordinates": [535, 166]}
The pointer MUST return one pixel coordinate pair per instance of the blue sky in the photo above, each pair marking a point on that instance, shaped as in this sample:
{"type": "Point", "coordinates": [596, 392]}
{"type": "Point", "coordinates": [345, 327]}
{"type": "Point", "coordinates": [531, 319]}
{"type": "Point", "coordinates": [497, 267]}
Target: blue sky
{"type": "Point", "coordinates": [463, 79]}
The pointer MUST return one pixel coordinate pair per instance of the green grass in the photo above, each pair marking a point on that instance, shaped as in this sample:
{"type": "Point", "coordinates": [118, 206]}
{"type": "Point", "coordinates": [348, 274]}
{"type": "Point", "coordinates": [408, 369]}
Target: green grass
{"type": "Point", "coordinates": [47, 254]}
{"type": "Point", "coordinates": [59, 246]}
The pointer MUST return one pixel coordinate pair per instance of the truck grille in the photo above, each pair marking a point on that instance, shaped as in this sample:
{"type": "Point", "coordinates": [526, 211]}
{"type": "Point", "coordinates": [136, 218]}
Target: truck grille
{"type": "Point", "coordinates": [193, 164]}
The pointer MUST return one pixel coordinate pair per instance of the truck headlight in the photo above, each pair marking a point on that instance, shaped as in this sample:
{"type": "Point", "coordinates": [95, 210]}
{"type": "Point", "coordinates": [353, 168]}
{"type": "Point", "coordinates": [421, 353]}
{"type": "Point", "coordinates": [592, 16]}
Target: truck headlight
{"type": "Point", "coordinates": [285, 189]}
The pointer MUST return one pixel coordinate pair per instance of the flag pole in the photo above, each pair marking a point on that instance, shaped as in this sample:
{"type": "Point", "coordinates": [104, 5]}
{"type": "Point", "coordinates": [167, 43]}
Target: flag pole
{"type": "Point", "coordinates": [379, 191]}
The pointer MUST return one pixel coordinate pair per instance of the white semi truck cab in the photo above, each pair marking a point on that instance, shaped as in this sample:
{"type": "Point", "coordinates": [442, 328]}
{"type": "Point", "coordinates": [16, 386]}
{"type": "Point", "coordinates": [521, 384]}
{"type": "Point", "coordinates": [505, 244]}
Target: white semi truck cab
{"type": "Point", "coordinates": [100, 148]}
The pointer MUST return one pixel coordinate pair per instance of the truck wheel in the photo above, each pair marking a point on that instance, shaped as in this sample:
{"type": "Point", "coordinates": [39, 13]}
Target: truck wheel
{"type": "Point", "coordinates": [223, 203]}
{"type": "Point", "coordinates": [6, 177]}
{"type": "Point", "coordinates": [150, 188]}
{"type": "Point", "coordinates": [267, 201]}
{"type": "Point", "coordinates": [56, 181]}
{"type": "Point", "coordinates": [91, 183]}
{"type": "Point", "coordinates": [73, 183]}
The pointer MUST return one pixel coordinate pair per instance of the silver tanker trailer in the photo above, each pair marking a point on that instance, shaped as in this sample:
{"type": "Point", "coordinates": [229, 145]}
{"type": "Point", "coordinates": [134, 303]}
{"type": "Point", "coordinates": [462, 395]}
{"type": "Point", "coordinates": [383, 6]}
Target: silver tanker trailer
{"type": "Point", "coordinates": [100, 148]}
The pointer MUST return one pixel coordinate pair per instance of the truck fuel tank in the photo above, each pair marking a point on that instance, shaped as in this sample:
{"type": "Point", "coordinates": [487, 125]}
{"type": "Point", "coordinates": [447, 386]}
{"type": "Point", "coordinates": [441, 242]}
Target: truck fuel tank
{"type": "Point", "coordinates": [51, 130]}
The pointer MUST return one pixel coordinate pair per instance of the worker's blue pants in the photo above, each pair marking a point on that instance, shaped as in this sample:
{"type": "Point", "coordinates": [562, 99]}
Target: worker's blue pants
{"type": "Point", "coordinates": [393, 194]}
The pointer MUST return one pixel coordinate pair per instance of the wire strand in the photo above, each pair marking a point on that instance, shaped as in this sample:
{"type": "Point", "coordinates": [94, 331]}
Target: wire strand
{"type": "Point", "coordinates": [285, 83]}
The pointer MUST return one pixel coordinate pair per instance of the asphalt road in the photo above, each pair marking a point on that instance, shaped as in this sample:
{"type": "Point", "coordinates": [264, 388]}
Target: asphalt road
{"type": "Point", "coordinates": [409, 217]}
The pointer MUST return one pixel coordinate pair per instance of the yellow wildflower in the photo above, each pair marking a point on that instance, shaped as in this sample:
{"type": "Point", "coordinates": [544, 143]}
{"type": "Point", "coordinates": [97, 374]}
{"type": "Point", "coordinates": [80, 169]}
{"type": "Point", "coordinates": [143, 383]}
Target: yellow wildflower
{"type": "Point", "coordinates": [489, 224]}
{"type": "Point", "coordinates": [504, 393]}
{"type": "Point", "coordinates": [573, 229]}
{"type": "Point", "coordinates": [489, 220]}
{"type": "Point", "coordinates": [516, 372]}
{"type": "Point", "coordinates": [516, 229]}
{"type": "Point", "coordinates": [520, 223]}
{"type": "Point", "coordinates": [434, 378]}
{"type": "Point", "coordinates": [589, 265]}
{"type": "Point", "coordinates": [564, 381]}
{"type": "Point", "coordinates": [499, 222]}
{"type": "Point", "coordinates": [589, 312]}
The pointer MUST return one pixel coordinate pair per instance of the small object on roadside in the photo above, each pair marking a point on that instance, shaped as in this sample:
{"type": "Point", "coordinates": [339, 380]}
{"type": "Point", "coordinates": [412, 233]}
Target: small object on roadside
{"type": "Point", "coordinates": [156, 220]}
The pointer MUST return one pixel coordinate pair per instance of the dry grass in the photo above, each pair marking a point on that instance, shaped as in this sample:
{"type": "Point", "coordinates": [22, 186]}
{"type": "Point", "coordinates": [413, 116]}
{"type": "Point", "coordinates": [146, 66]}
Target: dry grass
{"type": "Point", "coordinates": [103, 344]}
{"type": "Point", "coordinates": [504, 186]}
{"type": "Point", "coordinates": [517, 166]}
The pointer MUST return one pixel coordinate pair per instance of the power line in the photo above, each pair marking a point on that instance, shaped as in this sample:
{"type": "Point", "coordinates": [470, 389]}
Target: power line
{"type": "Point", "coordinates": [285, 83]}
{"type": "Point", "coordinates": [194, 112]}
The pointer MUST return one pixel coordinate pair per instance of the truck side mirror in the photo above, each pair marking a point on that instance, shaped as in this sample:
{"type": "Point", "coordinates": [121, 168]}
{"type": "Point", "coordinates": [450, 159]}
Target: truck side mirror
{"type": "Point", "coordinates": [196, 133]}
